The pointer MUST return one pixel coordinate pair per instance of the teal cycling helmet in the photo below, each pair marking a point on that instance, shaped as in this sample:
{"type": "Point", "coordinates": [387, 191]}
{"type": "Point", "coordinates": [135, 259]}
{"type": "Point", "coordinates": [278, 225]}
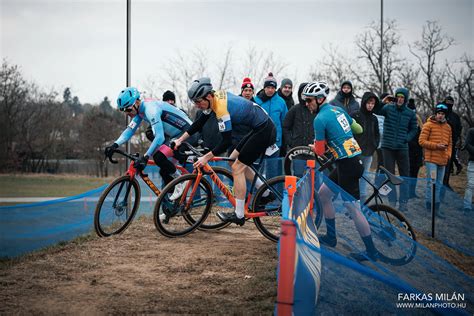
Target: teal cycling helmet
{"type": "Point", "coordinates": [199, 88]}
{"type": "Point", "coordinates": [127, 98]}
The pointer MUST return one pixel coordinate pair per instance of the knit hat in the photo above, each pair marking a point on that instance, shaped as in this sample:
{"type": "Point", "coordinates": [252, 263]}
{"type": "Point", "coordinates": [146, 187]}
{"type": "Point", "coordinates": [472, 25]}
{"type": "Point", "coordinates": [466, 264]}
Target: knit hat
{"type": "Point", "coordinates": [270, 81]}
{"type": "Point", "coordinates": [286, 81]}
{"type": "Point", "coordinates": [169, 95]}
{"type": "Point", "coordinates": [247, 83]}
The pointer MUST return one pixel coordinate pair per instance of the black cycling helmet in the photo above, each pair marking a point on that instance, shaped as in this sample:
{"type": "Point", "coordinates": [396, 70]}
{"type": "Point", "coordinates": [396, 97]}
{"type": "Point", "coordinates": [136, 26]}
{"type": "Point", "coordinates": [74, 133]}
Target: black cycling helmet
{"type": "Point", "coordinates": [199, 88]}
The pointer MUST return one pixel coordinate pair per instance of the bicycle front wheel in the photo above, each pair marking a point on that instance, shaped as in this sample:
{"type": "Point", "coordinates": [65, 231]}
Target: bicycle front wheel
{"type": "Point", "coordinates": [181, 216]}
{"type": "Point", "coordinates": [269, 199]}
{"type": "Point", "coordinates": [393, 235]}
{"type": "Point", "coordinates": [117, 206]}
{"type": "Point", "coordinates": [295, 160]}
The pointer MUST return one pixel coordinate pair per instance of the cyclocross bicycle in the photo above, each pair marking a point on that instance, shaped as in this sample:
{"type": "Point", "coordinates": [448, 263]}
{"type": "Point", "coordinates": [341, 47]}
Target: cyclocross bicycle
{"type": "Point", "coordinates": [264, 208]}
{"type": "Point", "coordinates": [120, 201]}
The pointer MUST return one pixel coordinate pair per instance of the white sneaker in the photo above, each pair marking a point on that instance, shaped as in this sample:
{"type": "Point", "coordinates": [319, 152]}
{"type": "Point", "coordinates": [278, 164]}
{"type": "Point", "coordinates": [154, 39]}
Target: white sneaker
{"type": "Point", "coordinates": [178, 190]}
{"type": "Point", "coordinates": [162, 217]}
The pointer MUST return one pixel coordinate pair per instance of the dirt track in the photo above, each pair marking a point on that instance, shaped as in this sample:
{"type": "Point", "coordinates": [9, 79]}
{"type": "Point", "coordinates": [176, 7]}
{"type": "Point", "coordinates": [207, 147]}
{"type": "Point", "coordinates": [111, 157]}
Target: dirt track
{"type": "Point", "coordinates": [231, 271]}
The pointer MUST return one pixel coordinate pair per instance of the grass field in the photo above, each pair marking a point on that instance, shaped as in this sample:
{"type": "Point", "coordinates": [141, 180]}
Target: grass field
{"type": "Point", "coordinates": [40, 185]}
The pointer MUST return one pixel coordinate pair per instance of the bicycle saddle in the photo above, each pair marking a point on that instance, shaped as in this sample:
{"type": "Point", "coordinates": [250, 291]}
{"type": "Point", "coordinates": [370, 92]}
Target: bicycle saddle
{"type": "Point", "coordinates": [395, 180]}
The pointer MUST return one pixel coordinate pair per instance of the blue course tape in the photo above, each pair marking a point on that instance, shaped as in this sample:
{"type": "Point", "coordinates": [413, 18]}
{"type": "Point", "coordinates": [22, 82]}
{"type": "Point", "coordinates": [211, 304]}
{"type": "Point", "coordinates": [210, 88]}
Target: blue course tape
{"type": "Point", "coordinates": [66, 199]}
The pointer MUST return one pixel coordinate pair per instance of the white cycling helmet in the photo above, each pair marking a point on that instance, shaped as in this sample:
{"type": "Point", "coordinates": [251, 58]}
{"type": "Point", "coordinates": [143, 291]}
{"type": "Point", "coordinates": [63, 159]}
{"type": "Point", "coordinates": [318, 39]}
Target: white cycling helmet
{"type": "Point", "coordinates": [316, 89]}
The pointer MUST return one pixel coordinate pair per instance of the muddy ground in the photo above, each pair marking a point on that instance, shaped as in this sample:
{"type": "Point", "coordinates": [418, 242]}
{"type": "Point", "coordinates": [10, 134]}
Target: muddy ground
{"type": "Point", "coordinates": [231, 271]}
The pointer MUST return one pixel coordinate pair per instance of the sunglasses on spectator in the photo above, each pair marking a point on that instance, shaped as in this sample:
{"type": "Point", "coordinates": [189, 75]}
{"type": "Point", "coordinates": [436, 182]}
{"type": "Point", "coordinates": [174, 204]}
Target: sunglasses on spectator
{"type": "Point", "coordinates": [198, 100]}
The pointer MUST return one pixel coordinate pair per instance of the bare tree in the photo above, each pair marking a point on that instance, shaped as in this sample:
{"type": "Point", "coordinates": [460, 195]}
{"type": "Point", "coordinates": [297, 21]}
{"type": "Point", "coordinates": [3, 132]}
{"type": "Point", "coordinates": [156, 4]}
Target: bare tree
{"type": "Point", "coordinates": [99, 128]}
{"type": "Point", "coordinates": [225, 74]}
{"type": "Point", "coordinates": [462, 79]}
{"type": "Point", "coordinates": [258, 63]}
{"type": "Point", "coordinates": [433, 41]}
{"type": "Point", "coordinates": [333, 68]}
{"type": "Point", "coordinates": [368, 73]}
{"type": "Point", "coordinates": [13, 94]}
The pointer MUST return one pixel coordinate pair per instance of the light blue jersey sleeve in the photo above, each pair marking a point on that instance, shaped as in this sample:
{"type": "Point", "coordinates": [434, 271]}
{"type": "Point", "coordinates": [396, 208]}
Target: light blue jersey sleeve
{"type": "Point", "coordinates": [129, 131]}
{"type": "Point", "coordinates": [154, 115]}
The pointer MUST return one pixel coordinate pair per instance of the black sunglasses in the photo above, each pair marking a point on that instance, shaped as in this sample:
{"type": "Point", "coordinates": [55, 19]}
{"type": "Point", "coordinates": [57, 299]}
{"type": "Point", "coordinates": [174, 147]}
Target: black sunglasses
{"type": "Point", "coordinates": [128, 110]}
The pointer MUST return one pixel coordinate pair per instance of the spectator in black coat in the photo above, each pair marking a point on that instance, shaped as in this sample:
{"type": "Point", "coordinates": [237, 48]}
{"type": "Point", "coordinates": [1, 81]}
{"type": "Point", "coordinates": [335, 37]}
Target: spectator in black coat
{"type": "Point", "coordinates": [345, 98]}
{"type": "Point", "coordinates": [456, 127]}
{"type": "Point", "coordinates": [415, 153]}
{"type": "Point", "coordinates": [286, 92]}
{"type": "Point", "coordinates": [298, 123]}
{"type": "Point", "coordinates": [370, 138]}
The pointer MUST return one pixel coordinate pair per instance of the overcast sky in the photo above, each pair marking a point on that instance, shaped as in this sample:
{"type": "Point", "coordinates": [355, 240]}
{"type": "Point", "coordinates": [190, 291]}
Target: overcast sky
{"type": "Point", "coordinates": [81, 44]}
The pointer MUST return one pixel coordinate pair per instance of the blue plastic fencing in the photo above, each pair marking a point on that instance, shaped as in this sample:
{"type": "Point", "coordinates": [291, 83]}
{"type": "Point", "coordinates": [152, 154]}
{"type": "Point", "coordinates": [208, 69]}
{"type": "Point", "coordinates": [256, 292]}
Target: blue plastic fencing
{"type": "Point", "coordinates": [453, 226]}
{"type": "Point", "coordinates": [426, 285]}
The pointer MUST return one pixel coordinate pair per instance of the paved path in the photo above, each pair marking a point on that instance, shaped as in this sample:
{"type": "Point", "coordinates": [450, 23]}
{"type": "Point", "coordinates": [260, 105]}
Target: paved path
{"type": "Point", "coordinates": [27, 199]}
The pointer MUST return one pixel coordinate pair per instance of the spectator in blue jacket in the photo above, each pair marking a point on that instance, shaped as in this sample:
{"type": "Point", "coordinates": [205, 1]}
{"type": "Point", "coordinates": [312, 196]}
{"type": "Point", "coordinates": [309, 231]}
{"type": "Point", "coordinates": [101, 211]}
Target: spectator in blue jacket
{"type": "Point", "coordinates": [400, 127]}
{"type": "Point", "coordinates": [273, 104]}
{"type": "Point", "coordinates": [276, 108]}
{"type": "Point", "coordinates": [345, 98]}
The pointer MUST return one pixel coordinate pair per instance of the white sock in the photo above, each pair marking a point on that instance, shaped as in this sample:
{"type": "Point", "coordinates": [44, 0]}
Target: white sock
{"type": "Point", "coordinates": [239, 208]}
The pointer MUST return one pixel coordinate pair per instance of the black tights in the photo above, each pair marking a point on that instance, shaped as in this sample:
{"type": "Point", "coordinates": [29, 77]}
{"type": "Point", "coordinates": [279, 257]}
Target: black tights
{"type": "Point", "coordinates": [167, 168]}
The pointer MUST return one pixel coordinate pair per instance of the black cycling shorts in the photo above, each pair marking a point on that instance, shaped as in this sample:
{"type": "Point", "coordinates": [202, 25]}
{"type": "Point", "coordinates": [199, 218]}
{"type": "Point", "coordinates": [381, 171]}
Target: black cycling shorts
{"type": "Point", "coordinates": [347, 174]}
{"type": "Point", "coordinates": [256, 142]}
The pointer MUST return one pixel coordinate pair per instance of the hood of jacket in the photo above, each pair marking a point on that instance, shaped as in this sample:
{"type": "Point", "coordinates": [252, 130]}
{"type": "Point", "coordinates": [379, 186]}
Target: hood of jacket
{"type": "Point", "coordinates": [405, 92]}
{"type": "Point", "coordinates": [365, 98]}
{"type": "Point", "coordinates": [346, 95]}
{"type": "Point", "coordinates": [261, 94]}
{"type": "Point", "coordinates": [300, 91]}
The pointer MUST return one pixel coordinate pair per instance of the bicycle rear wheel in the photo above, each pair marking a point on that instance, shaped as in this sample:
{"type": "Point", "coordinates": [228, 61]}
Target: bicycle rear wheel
{"type": "Point", "coordinates": [177, 218]}
{"type": "Point", "coordinates": [117, 206]}
{"type": "Point", "coordinates": [219, 201]}
{"type": "Point", "coordinates": [393, 235]}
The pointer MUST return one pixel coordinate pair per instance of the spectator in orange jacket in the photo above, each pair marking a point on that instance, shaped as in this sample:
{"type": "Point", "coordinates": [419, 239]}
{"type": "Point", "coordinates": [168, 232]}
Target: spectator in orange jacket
{"type": "Point", "coordinates": [436, 140]}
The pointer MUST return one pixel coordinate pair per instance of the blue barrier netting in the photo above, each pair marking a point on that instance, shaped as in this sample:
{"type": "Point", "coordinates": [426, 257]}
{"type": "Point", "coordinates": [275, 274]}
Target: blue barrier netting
{"type": "Point", "coordinates": [427, 284]}
{"type": "Point", "coordinates": [28, 227]}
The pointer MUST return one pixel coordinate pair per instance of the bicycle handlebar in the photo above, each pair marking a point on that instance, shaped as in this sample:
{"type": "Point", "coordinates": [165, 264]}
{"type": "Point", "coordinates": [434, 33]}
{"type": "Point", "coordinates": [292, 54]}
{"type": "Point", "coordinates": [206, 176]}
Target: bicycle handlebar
{"type": "Point", "coordinates": [131, 157]}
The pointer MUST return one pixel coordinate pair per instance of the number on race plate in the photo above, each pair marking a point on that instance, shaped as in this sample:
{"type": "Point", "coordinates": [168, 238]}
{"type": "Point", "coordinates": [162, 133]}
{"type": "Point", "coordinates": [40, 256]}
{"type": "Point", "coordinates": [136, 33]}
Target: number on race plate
{"type": "Point", "coordinates": [385, 189]}
{"type": "Point", "coordinates": [344, 123]}
{"type": "Point", "coordinates": [221, 125]}
{"type": "Point", "coordinates": [271, 150]}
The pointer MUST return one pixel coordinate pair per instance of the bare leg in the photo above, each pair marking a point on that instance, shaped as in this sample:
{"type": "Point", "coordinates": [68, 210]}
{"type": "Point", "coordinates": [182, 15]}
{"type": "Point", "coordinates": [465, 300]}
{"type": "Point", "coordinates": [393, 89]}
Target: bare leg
{"type": "Point", "coordinates": [326, 195]}
{"type": "Point", "coordinates": [359, 219]}
{"type": "Point", "coordinates": [240, 186]}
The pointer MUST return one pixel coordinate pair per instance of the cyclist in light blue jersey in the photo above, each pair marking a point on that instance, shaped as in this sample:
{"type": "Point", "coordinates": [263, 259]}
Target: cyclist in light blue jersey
{"type": "Point", "coordinates": [232, 111]}
{"type": "Point", "coordinates": [166, 122]}
{"type": "Point", "coordinates": [333, 128]}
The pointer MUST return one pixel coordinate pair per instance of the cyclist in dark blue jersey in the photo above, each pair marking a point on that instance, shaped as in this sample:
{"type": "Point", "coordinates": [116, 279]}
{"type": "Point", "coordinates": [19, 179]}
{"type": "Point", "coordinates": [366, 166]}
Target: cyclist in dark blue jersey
{"type": "Point", "coordinates": [333, 128]}
{"type": "Point", "coordinates": [166, 122]}
{"type": "Point", "coordinates": [232, 111]}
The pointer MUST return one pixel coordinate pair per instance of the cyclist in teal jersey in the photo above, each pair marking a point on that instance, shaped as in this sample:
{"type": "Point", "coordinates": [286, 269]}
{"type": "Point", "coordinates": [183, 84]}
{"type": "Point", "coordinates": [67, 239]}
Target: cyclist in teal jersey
{"type": "Point", "coordinates": [333, 128]}
{"type": "Point", "coordinates": [166, 122]}
{"type": "Point", "coordinates": [232, 111]}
